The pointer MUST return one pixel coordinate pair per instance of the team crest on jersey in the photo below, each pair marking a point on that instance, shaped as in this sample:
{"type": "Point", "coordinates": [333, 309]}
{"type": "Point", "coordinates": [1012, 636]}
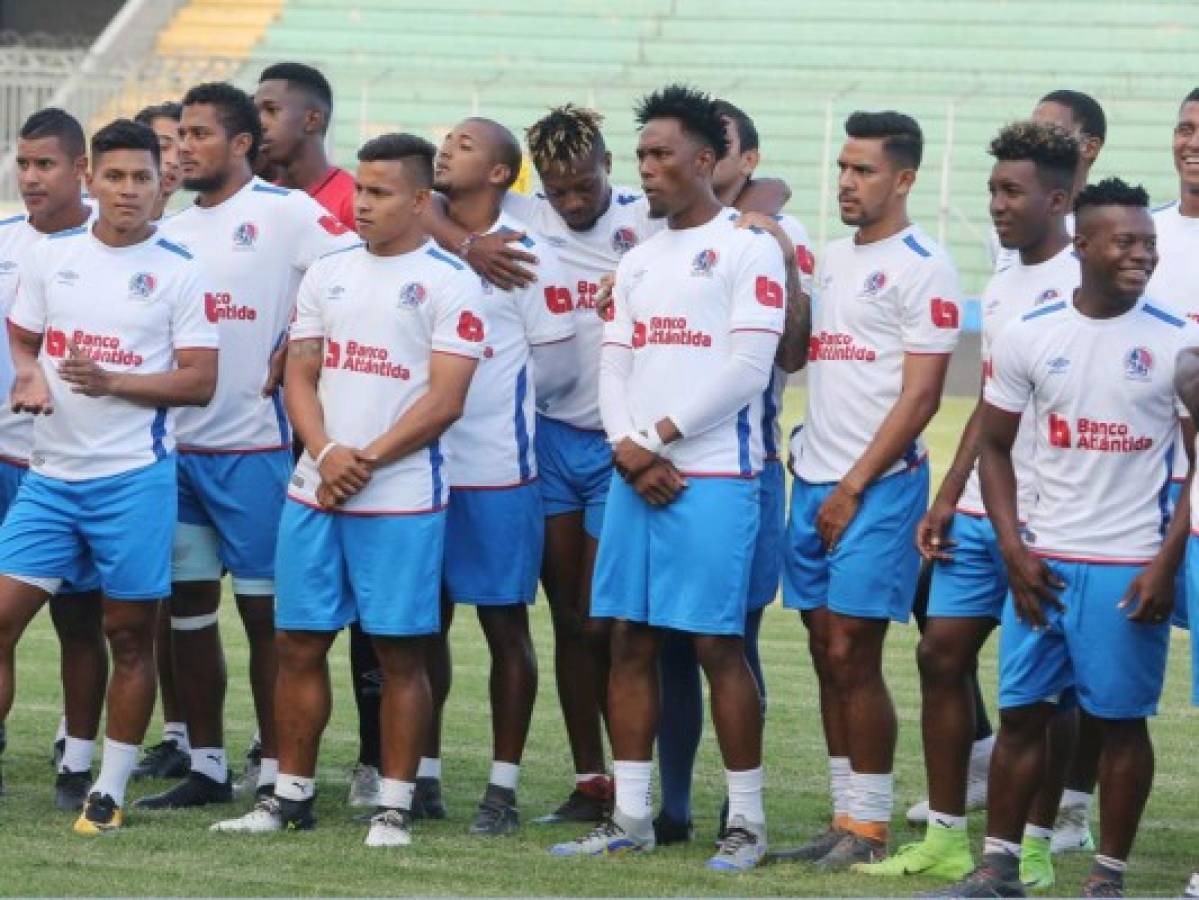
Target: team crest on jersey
{"type": "Point", "coordinates": [1138, 363]}
{"type": "Point", "coordinates": [142, 285]}
{"type": "Point", "coordinates": [624, 240]}
{"type": "Point", "coordinates": [245, 236]}
{"type": "Point", "coordinates": [874, 283]}
{"type": "Point", "coordinates": [1046, 296]}
{"type": "Point", "coordinates": [704, 262]}
{"type": "Point", "coordinates": [412, 295]}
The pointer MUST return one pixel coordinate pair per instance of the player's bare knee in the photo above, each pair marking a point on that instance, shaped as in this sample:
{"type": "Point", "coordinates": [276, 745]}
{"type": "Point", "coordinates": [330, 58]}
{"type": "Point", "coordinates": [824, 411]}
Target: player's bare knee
{"type": "Point", "coordinates": [300, 651]}
{"type": "Point", "coordinates": [597, 633]}
{"type": "Point", "coordinates": [720, 655]}
{"type": "Point", "coordinates": [1025, 725]}
{"type": "Point", "coordinates": [940, 662]}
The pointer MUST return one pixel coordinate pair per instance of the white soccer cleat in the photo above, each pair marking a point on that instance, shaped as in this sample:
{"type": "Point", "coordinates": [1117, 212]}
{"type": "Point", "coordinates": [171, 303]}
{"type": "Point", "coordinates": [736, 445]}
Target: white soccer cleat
{"type": "Point", "coordinates": [364, 786]}
{"type": "Point", "coordinates": [390, 828]}
{"type": "Point", "coordinates": [1072, 831]}
{"type": "Point", "coordinates": [264, 818]}
{"type": "Point", "coordinates": [1192, 888]}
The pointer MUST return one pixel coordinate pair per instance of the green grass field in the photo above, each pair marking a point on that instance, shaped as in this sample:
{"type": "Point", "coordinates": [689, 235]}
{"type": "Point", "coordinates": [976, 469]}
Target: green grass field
{"type": "Point", "coordinates": [173, 853]}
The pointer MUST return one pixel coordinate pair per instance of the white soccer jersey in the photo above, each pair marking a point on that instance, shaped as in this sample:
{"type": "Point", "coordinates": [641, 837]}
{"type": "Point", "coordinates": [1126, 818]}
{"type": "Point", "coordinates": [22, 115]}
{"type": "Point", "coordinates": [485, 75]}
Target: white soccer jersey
{"type": "Point", "coordinates": [772, 399]}
{"type": "Point", "coordinates": [130, 309]}
{"type": "Point", "coordinates": [1012, 292]}
{"type": "Point", "coordinates": [1175, 281]}
{"type": "Point", "coordinates": [17, 237]}
{"type": "Point", "coordinates": [492, 444]}
{"type": "Point", "coordinates": [1101, 392]}
{"type": "Point", "coordinates": [679, 298]}
{"type": "Point", "coordinates": [873, 304]}
{"type": "Point", "coordinates": [586, 256]}
{"type": "Point", "coordinates": [254, 248]}
{"type": "Point", "coordinates": [381, 318]}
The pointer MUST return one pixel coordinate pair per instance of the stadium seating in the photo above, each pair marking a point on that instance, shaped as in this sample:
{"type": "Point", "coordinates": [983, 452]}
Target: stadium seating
{"type": "Point", "coordinates": [798, 67]}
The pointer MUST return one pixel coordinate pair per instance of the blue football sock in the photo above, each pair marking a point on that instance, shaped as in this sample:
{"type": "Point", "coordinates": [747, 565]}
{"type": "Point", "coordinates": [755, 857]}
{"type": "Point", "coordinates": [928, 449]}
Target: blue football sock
{"type": "Point", "coordinates": [680, 724]}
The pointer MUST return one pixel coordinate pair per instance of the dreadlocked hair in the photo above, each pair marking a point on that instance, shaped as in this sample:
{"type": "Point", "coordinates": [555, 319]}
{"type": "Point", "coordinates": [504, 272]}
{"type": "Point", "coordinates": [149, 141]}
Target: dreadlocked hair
{"type": "Point", "coordinates": [564, 136]}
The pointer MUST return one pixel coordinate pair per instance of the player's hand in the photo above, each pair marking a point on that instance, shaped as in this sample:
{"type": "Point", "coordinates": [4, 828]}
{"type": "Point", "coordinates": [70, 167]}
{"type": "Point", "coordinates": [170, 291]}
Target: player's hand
{"type": "Point", "coordinates": [274, 371]}
{"type": "Point", "coordinates": [31, 393]}
{"type": "Point", "coordinates": [84, 374]}
{"type": "Point", "coordinates": [1034, 586]}
{"type": "Point", "coordinates": [603, 296]}
{"type": "Point", "coordinates": [630, 459]}
{"type": "Point", "coordinates": [1150, 595]}
{"type": "Point", "coordinates": [499, 259]}
{"type": "Point", "coordinates": [932, 533]}
{"type": "Point", "coordinates": [835, 514]}
{"type": "Point", "coordinates": [771, 226]}
{"type": "Point", "coordinates": [660, 484]}
{"type": "Point", "coordinates": [346, 471]}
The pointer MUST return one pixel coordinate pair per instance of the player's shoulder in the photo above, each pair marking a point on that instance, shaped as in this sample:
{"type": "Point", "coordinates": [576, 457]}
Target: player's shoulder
{"type": "Point", "coordinates": [444, 270]}
{"type": "Point", "coordinates": [340, 258]}
{"type": "Point", "coordinates": [8, 222]}
{"type": "Point", "coordinates": [1035, 320]}
{"type": "Point", "coordinates": [919, 250]}
{"type": "Point", "coordinates": [1166, 210]}
{"type": "Point", "coordinates": [510, 224]}
{"type": "Point", "coordinates": [67, 235]}
{"type": "Point", "coordinates": [793, 228]}
{"type": "Point", "coordinates": [1163, 315]}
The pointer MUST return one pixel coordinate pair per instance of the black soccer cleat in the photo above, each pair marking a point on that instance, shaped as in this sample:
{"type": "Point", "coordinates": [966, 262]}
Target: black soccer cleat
{"type": "Point", "coordinates": [669, 831]}
{"type": "Point", "coordinates": [163, 760]}
{"type": "Point", "coordinates": [195, 790]}
{"type": "Point", "coordinates": [497, 814]}
{"type": "Point", "coordinates": [70, 790]}
{"type": "Point", "coordinates": [427, 802]}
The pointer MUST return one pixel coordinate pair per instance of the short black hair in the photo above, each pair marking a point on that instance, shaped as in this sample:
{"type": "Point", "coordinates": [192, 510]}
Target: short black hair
{"type": "Point", "coordinates": [56, 123]}
{"type": "Point", "coordinates": [506, 147]}
{"type": "Point", "coordinates": [1084, 108]}
{"type": "Point", "coordinates": [234, 107]}
{"type": "Point", "coordinates": [124, 134]}
{"type": "Point", "coordinates": [414, 152]}
{"type": "Point", "coordinates": [565, 135]}
{"type": "Point", "coordinates": [1111, 192]}
{"type": "Point", "coordinates": [1052, 149]}
{"type": "Point", "coordinates": [903, 141]}
{"type": "Point", "coordinates": [747, 132]}
{"type": "Point", "coordinates": [170, 109]}
{"type": "Point", "coordinates": [1192, 97]}
{"type": "Point", "coordinates": [308, 79]}
{"type": "Point", "coordinates": [695, 111]}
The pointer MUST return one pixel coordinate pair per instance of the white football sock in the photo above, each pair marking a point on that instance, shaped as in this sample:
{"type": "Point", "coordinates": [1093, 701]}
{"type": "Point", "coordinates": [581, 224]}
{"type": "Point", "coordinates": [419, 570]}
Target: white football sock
{"type": "Point", "coordinates": [61, 733]}
{"type": "Point", "coordinates": [294, 787]}
{"type": "Point", "coordinates": [268, 773]}
{"type": "Point", "coordinates": [745, 795]}
{"type": "Point", "coordinates": [1000, 847]}
{"type": "Point", "coordinates": [77, 755]}
{"type": "Point", "coordinates": [115, 768]}
{"type": "Point", "coordinates": [430, 767]}
{"type": "Point", "coordinates": [946, 821]}
{"type": "Point", "coordinates": [633, 779]}
{"type": "Point", "coordinates": [871, 797]}
{"type": "Point", "coordinates": [396, 794]}
{"type": "Point", "coordinates": [210, 761]}
{"type": "Point", "coordinates": [504, 774]}
{"type": "Point", "coordinates": [838, 782]}
{"type": "Point", "coordinates": [1036, 831]}
{"type": "Point", "coordinates": [1075, 800]}
{"type": "Point", "coordinates": [177, 732]}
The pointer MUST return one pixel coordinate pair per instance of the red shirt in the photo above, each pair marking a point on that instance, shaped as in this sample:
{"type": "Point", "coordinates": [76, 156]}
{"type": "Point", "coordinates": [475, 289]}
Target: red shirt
{"type": "Point", "coordinates": [335, 192]}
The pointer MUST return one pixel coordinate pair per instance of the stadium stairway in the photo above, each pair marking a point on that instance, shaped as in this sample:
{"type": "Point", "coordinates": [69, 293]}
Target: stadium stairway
{"type": "Point", "coordinates": [798, 67]}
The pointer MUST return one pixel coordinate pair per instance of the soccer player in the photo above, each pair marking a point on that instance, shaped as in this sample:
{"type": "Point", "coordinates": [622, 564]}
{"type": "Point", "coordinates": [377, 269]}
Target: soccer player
{"type": "Point", "coordinates": [386, 338]}
{"type": "Point", "coordinates": [884, 326]}
{"type": "Point", "coordinates": [295, 103]}
{"type": "Point", "coordinates": [163, 120]}
{"type": "Point", "coordinates": [51, 162]}
{"type": "Point", "coordinates": [169, 757]}
{"type": "Point", "coordinates": [1186, 382]}
{"type": "Point", "coordinates": [698, 311]}
{"type": "Point", "coordinates": [107, 335]}
{"type": "Point", "coordinates": [256, 240]}
{"type": "Point", "coordinates": [1091, 573]}
{"type": "Point", "coordinates": [494, 529]}
{"type": "Point", "coordinates": [1030, 186]}
{"type": "Point", "coordinates": [681, 724]}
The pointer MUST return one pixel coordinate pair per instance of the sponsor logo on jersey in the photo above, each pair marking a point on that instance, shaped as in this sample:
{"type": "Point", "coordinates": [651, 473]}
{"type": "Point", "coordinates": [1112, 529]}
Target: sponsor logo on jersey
{"type": "Point", "coordinates": [142, 285]}
{"type": "Point", "coordinates": [219, 305]}
{"type": "Point", "coordinates": [805, 260]}
{"type": "Point", "coordinates": [704, 262]}
{"type": "Point", "coordinates": [1095, 434]}
{"type": "Point", "coordinates": [624, 240]}
{"type": "Point", "coordinates": [1058, 365]}
{"type": "Point", "coordinates": [332, 225]}
{"type": "Point", "coordinates": [837, 346]}
{"type": "Point", "coordinates": [365, 359]}
{"type": "Point", "coordinates": [874, 283]}
{"type": "Point", "coordinates": [412, 295]}
{"type": "Point", "coordinates": [245, 236]}
{"type": "Point", "coordinates": [1046, 296]}
{"type": "Point", "coordinates": [558, 299]}
{"type": "Point", "coordinates": [670, 331]}
{"type": "Point", "coordinates": [768, 292]}
{"type": "Point", "coordinates": [1138, 364]}
{"type": "Point", "coordinates": [470, 327]}
{"type": "Point", "coordinates": [945, 313]}
{"type": "Point", "coordinates": [103, 348]}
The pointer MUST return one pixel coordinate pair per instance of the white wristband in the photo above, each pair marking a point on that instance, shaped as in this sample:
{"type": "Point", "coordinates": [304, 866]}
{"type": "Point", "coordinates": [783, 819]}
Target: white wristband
{"type": "Point", "coordinates": [325, 451]}
{"type": "Point", "coordinates": [648, 440]}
